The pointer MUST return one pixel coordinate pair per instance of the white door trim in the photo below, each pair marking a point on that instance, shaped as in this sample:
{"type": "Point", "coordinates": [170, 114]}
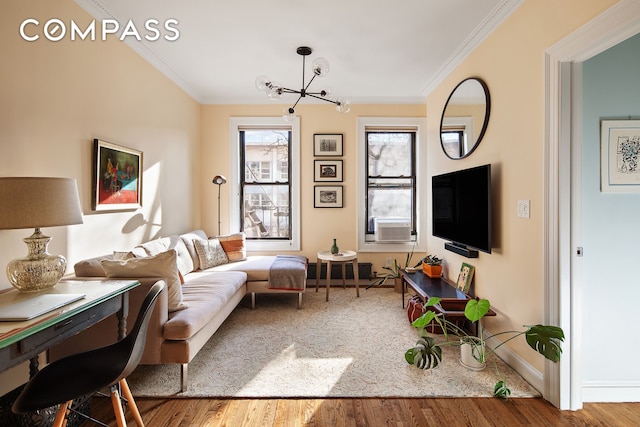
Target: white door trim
{"type": "Point", "coordinates": [563, 381]}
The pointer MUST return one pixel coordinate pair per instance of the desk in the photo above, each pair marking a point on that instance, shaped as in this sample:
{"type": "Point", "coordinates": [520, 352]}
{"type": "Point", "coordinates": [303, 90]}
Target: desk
{"type": "Point", "coordinates": [342, 257]}
{"type": "Point", "coordinates": [452, 300]}
{"type": "Point", "coordinates": [20, 341]}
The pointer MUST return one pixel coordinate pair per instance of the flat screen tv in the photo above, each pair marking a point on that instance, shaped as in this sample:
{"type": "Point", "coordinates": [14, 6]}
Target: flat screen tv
{"type": "Point", "coordinates": [461, 210]}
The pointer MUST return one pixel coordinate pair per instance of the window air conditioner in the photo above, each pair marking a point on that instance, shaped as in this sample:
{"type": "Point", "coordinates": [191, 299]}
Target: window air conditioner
{"type": "Point", "coordinates": [392, 229]}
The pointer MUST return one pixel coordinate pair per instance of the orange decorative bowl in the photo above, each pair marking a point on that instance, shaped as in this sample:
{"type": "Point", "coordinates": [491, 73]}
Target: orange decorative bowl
{"type": "Point", "coordinates": [432, 271]}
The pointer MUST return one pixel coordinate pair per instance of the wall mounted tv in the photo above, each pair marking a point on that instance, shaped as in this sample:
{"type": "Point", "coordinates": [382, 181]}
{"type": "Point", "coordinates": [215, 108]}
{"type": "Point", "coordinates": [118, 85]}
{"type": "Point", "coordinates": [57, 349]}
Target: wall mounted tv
{"type": "Point", "coordinates": [461, 210]}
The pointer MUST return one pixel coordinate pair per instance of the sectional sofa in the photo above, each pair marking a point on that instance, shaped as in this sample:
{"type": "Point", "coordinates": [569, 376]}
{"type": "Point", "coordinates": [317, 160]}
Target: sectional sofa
{"type": "Point", "coordinates": [206, 279]}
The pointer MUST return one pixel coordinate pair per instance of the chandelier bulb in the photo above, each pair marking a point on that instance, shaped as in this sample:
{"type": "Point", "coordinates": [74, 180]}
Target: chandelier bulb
{"type": "Point", "coordinates": [343, 105]}
{"type": "Point", "coordinates": [274, 91]}
{"type": "Point", "coordinates": [320, 67]}
{"type": "Point", "coordinates": [288, 114]}
{"type": "Point", "coordinates": [262, 83]}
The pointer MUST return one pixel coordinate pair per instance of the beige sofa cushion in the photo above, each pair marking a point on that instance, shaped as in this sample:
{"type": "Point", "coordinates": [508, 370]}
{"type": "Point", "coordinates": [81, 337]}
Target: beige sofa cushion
{"type": "Point", "coordinates": [206, 293]}
{"type": "Point", "coordinates": [188, 239]}
{"type": "Point", "coordinates": [161, 265]}
{"type": "Point", "coordinates": [157, 246]}
{"type": "Point", "coordinates": [91, 267]}
{"type": "Point", "coordinates": [256, 266]}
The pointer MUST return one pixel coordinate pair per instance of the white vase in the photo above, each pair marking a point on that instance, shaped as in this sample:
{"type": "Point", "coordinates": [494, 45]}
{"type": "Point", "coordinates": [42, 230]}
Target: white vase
{"type": "Point", "coordinates": [466, 357]}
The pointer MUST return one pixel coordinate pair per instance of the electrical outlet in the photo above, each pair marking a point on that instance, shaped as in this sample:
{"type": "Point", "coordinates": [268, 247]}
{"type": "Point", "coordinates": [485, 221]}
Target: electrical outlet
{"type": "Point", "coordinates": [388, 261]}
{"type": "Point", "coordinates": [523, 209]}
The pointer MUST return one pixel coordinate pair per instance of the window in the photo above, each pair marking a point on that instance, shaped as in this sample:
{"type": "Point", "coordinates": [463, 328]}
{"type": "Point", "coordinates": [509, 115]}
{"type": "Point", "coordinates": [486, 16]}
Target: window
{"type": "Point", "coordinates": [391, 176]}
{"type": "Point", "coordinates": [391, 180]}
{"type": "Point", "coordinates": [264, 200]}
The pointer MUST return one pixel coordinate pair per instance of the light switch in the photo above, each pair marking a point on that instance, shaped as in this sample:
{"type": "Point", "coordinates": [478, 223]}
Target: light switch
{"type": "Point", "coordinates": [523, 209]}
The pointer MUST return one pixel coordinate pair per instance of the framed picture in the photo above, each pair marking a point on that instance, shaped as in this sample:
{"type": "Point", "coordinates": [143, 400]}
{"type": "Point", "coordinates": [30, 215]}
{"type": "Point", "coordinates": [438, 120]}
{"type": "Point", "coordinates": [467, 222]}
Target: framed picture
{"type": "Point", "coordinates": [117, 177]}
{"type": "Point", "coordinates": [620, 152]}
{"type": "Point", "coordinates": [327, 144]}
{"type": "Point", "coordinates": [327, 170]}
{"type": "Point", "coordinates": [327, 196]}
{"type": "Point", "coordinates": [465, 277]}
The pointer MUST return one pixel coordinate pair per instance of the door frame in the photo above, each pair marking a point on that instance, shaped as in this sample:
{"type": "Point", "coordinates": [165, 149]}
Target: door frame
{"type": "Point", "coordinates": [563, 381]}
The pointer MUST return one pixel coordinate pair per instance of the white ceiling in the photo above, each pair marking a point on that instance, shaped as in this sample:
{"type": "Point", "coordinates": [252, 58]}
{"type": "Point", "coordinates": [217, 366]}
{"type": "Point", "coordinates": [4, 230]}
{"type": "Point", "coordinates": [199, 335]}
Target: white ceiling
{"type": "Point", "coordinates": [379, 51]}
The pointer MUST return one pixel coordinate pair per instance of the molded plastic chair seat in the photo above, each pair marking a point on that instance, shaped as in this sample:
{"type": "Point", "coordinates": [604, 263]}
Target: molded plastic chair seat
{"type": "Point", "coordinates": [84, 373]}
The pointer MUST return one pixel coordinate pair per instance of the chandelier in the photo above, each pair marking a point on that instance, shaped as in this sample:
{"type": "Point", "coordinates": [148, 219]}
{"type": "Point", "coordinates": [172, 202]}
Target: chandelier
{"type": "Point", "coordinates": [320, 68]}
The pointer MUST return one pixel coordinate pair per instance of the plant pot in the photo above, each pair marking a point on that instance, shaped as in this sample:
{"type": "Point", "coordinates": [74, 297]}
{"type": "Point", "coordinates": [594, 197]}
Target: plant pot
{"type": "Point", "coordinates": [432, 271]}
{"type": "Point", "coordinates": [397, 285]}
{"type": "Point", "coordinates": [466, 356]}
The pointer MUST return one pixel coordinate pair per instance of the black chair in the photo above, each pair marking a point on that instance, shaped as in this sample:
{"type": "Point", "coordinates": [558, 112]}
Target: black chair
{"type": "Point", "coordinates": [85, 373]}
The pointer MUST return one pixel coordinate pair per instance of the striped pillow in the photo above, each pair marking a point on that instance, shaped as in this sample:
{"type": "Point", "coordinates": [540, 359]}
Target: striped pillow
{"type": "Point", "coordinates": [234, 246]}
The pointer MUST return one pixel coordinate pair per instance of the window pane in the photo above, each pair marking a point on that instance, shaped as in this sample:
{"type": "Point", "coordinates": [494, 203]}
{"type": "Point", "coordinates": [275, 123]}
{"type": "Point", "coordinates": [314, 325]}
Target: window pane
{"type": "Point", "coordinates": [387, 202]}
{"type": "Point", "coordinates": [390, 154]}
{"type": "Point", "coordinates": [266, 211]}
{"type": "Point", "coordinates": [266, 152]}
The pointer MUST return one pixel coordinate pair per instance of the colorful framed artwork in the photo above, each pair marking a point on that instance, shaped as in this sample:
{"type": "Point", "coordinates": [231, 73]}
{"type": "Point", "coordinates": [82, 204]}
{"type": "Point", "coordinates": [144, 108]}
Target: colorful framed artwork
{"type": "Point", "coordinates": [117, 177]}
{"type": "Point", "coordinates": [465, 277]}
{"type": "Point", "coordinates": [327, 144]}
{"type": "Point", "coordinates": [327, 196]}
{"type": "Point", "coordinates": [327, 170]}
{"type": "Point", "coordinates": [620, 152]}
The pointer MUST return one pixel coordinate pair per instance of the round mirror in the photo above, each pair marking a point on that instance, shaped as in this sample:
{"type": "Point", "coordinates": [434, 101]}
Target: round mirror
{"type": "Point", "coordinates": [465, 117]}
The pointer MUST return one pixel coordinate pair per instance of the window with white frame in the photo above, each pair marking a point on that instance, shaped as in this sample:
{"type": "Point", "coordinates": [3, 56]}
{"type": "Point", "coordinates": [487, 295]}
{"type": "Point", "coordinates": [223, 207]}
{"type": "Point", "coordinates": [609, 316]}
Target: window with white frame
{"type": "Point", "coordinates": [265, 171]}
{"type": "Point", "coordinates": [390, 183]}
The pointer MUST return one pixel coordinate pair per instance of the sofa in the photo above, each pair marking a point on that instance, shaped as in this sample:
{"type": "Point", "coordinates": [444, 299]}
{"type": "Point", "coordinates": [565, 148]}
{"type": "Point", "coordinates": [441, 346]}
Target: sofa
{"type": "Point", "coordinates": [206, 279]}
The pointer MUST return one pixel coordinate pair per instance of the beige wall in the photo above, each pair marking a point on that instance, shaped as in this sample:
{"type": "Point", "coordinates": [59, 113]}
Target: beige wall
{"type": "Point", "coordinates": [56, 97]}
{"type": "Point", "coordinates": [511, 61]}
{"type": "Point", "coordinates": [319, 226]}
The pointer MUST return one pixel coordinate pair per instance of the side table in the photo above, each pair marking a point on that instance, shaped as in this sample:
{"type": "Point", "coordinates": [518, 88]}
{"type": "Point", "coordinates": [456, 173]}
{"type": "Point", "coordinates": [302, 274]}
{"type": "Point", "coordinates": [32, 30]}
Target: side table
{"type": "Point", "coordinates": [342, 257]}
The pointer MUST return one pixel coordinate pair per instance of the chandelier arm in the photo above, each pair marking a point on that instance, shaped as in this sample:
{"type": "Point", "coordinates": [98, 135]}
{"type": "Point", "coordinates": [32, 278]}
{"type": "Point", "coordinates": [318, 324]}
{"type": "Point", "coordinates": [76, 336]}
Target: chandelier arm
{"type": "Point", "coordinates": [323, 99]}
{"type": "Point", "coordinates": [310, 81]}
{"type": "Point", "coordinates": [294, 105]}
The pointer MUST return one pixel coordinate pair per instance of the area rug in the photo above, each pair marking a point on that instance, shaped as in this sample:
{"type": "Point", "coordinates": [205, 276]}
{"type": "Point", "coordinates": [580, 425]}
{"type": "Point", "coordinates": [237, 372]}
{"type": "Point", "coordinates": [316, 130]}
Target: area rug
{"type": "Point", "coordinates": [346, 347]}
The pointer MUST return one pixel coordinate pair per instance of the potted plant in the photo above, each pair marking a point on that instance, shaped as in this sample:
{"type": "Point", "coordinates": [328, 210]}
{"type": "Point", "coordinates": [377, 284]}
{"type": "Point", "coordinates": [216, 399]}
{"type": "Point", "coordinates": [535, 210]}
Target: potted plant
{"type": "Point", "coordinates": [432, 266]}
{"type": "Point", "coordinates": [427, 353]}
{"type": "Point", "coordinates": [392, 272]}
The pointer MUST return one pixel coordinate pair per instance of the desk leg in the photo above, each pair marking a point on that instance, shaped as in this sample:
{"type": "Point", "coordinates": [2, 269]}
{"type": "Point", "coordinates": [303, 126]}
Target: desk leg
{"type": "Point", "coordinates": [121, 315]}
{"type": "Point", "coordinates": [328, 278]}
{"type": "Point", "coordinates": [356, 276]}
{"type": "Point", "coordinates": [403, 285]}
{"type": "Point", "coordinates": [318, 269]}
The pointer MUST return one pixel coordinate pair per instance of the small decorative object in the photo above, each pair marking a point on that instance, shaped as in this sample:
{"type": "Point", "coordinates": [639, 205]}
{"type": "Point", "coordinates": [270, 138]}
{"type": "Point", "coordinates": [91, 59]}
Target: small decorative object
{"type": "Point", "coordinates": [35, 203]}
{"type": "Point", "coordinates": [334, 248]}
{"type": "Point", "coordinates": [117, 177]}
{"type": "Point", "coordinates": [620, 152]}
{"type": "Point", "coordinates": [465, 277]}
{"type": "Point", "coordinates": [327, 170]}
{"type": "Point", "coordinates": [327, 144]}
{"type": "Point", "coordinates": [326, 196]}
{"type": "Point", "coordinates": [432, 266]}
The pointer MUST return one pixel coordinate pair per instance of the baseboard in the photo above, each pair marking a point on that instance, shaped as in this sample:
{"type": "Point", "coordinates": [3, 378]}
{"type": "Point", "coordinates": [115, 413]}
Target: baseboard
{"type": "Point", "coordinates": [518, 364]}
{"type": "Point", "coordinates": [611, 391]}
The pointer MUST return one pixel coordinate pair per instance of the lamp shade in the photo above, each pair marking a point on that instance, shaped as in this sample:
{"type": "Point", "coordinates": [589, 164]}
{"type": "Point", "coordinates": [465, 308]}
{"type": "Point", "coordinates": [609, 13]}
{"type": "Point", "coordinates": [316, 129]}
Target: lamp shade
{"type": "Point", "coordinates": [27, 202]}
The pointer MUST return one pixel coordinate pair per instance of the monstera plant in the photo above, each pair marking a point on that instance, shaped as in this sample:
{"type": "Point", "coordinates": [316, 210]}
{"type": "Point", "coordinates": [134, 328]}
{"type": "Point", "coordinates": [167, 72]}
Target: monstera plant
{"type": "Point", "coordinates": [427, 353]}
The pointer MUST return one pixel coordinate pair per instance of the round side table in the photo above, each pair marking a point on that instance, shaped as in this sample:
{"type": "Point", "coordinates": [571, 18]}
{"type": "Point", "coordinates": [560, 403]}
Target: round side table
{"type": "Point", "coordinates": [342, 257]}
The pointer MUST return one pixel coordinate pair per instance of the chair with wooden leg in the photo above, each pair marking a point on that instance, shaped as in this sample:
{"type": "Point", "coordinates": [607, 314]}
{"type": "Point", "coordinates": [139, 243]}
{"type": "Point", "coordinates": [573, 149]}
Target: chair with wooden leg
{"type": "Point", "coordinates": [85, 373]}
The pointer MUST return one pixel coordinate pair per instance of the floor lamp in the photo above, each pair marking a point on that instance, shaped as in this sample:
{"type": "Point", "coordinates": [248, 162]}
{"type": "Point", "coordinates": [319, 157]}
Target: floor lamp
{"type": "Point", "coordinates": [219, 180]}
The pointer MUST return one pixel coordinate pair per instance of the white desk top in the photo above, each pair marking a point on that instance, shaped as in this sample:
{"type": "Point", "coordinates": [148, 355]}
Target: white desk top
{"type": "Point", "coordinates": [341, 256]}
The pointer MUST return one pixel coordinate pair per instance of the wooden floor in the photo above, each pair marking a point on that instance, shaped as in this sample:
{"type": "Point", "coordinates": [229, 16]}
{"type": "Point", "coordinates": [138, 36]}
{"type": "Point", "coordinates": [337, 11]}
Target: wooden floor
{"type": "Point", "coordinates": [447, 412]}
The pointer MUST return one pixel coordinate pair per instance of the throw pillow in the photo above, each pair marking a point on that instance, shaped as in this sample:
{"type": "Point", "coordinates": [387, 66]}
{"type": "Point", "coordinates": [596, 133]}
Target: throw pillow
{"type": "Point", "coordinates": [162, 265]}
{"type": "Point", "coordinates": [234, 246]}
{"type": "Point", "coordinates": [210, 253]}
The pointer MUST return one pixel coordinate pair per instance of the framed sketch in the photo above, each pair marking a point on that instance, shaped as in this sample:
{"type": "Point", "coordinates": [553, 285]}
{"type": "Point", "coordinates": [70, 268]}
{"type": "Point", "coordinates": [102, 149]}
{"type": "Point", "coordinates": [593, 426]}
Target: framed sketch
{"type": "Point", "coordinates": [327, 144]}
{"type": "Point", "coordinates": [620, 149]}
{"type": "Point", "coordinates": [117, 177]}
{"type": "Point", "coordinates": [327, 196]}
{"type": "Point", "coordinates": [327, 170]}
{"type": "Point", "coordinates": [465, 277]}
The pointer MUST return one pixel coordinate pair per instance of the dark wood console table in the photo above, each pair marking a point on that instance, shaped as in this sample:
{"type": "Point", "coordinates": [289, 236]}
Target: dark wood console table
{"type": "Point", "coordinates": [452, 300]}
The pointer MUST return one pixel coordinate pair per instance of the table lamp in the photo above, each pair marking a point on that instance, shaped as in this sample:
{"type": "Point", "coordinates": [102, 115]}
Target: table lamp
{"type": "Point", "coordinates": [34, 203]}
